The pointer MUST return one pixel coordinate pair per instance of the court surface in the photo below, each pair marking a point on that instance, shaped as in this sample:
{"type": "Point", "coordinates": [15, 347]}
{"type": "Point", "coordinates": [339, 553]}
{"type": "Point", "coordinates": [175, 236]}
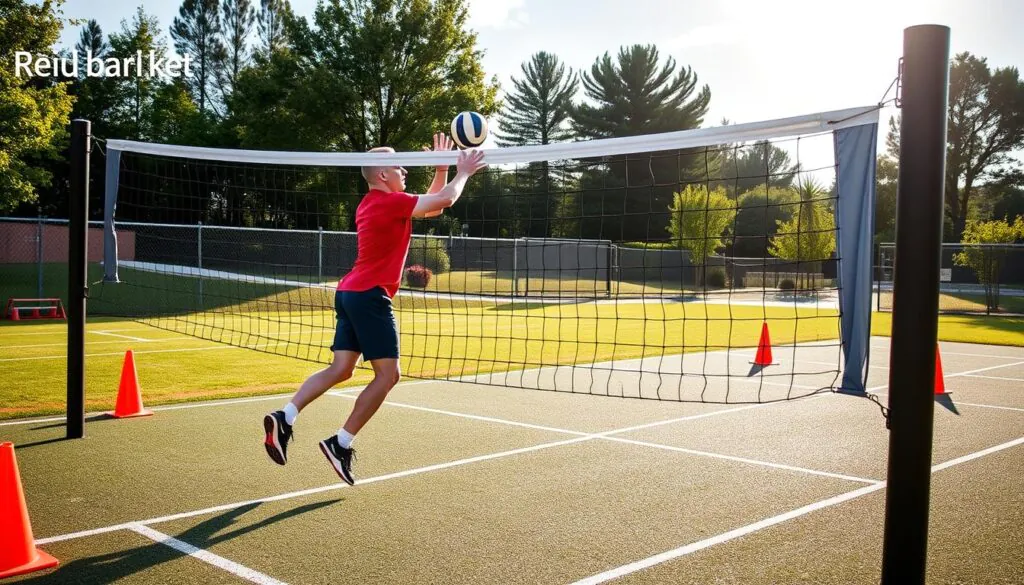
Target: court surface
{"type": "Point", "coordinates": [468, 483]}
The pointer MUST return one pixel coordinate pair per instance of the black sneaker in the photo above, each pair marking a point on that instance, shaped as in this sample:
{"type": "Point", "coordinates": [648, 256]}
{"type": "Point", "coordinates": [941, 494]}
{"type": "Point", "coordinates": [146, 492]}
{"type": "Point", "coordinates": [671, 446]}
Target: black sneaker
{"type": "Point", "coordinates": [340, 458]}
{"type": "Point", "coordinates": [279, 433]}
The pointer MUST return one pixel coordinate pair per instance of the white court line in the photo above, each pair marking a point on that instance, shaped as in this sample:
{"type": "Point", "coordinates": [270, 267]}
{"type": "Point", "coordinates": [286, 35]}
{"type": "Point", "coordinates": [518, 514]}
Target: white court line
{"type": "Point", "coordinates": [36, 345]}
{"type": "Point", "coordinates": [879, 389]}
{"type": "Point", "coordinates": [207, 557]}
{"type": "Point", "coordinates": [750, 528]}
{"type": "Point", "coordinates": [226, 402]}
{"type": "Point", "coordinates": [108, 333]}
{"type": "Point", "coordinates": [944, 352]}
{"type": "Point", "coordinates": [958, 403]}
{"type": "Point", "coordinates": [207, 348]}
{"type": "Point", "coordinates": [608, 437]}
{"type": "Point", "coordinates": [379, 478]}
{"type": "Point", "coordinates": [60, 330]}
{"type": "Point", "coordinates": [996, 378]}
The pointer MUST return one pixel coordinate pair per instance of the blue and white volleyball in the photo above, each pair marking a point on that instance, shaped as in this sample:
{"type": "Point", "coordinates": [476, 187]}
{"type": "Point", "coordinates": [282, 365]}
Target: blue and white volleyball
{"type": "Point", "coordinates": [469, 129]}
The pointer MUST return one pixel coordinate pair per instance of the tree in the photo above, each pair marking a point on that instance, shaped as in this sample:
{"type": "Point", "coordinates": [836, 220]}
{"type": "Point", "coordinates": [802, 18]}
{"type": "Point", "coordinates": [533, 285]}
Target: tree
{"type": "Point", "coordinates": [983, 254]}
{"type": "Point", "coordinates": [886, 185]}
{"type": "Point", "coordinates": [632, 96]}
{"type": "Point", "coordinates": [986, 123]}
{"type": "Point", "coordinates": [629, 96]}
{"type": "Point", "coordinates": [90, 43]}
{"type": "Point", "coordinates": [34, 113]}
{"type": "Point", "coordinates": [94, 96]}
{"type": "Point", "coordinates": [271, 25]}
{"type": "Point", "coordinates": [698, 219]}
{"type": "Point", "coordinates": [541, 105]}
{"type": "Point", "coordinates": [388, 73]}
{"type": "Point", "coordinates": [537, 112]}
{"type": "Point", "coordinates": [133, 93]}
{"type": "Point", "coordinates": [762, 162]}
{"type": "Point", "coordinates": [196, 32]}
{"type": "Point", "coordinates": [809, 237]}
{"type": "Point", "coordinates": [760, 212]}
{"type": "Point", "coordinates": [239, 16]}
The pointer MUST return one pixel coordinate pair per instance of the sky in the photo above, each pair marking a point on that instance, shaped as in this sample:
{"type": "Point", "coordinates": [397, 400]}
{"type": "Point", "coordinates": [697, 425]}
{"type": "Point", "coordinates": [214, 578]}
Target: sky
{"type": "Point", "coordinates": [762, 59]}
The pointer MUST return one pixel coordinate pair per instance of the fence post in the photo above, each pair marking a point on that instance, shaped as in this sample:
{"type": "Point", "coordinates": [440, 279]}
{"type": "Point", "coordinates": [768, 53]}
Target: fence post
{"type": "Point", "coordinates": [515, 267]}
{"type": "Point", "coordinates": [320, 255]}
{"type": "Point", "coordinates": [39, 254]}
{"type": "Point", "coordinates": [199, 253]}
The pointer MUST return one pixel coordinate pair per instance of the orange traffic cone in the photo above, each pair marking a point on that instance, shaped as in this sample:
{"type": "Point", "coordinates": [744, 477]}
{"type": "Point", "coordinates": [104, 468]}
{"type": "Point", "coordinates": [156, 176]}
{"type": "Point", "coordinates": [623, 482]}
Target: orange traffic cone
{"type": "Point", "coordinates": [18, 552]}
{"type": "Point", "coordinates": [764, 348]}
{"type": "Point", "coordinates": [940, 382]}
{"type": "Point", "coordinates": [129, 395]}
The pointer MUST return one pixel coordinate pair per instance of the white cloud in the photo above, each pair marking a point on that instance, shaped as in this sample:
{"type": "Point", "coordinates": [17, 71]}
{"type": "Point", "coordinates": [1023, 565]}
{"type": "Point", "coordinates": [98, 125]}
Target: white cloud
{"type": "Point", "coordinates": [497, 14]}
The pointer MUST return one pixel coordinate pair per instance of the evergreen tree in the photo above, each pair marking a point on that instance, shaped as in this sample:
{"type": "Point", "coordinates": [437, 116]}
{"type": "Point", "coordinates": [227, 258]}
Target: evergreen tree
{"type": "Point", "coordinates": [538, 112]}
{"type": "Point", "coordinates": [629, 96]}
{"type": "Point", "coordinates": [271, 25]}
{"type": "Point", "coordinates": [133, 93]}
{"type": "Point", "coordinates": [197, 32]}
{"type": "Point", "coordinates": [539, 109]}
{"type": "Point", "coordinates": [239, 17]}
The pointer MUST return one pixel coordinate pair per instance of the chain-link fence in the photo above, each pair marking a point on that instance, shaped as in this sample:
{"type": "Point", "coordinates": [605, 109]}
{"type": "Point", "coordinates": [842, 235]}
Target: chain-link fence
{"type": "Point", "coordinates": [34, 257]}
{"type": "Point", "coordinates": [975, 278]}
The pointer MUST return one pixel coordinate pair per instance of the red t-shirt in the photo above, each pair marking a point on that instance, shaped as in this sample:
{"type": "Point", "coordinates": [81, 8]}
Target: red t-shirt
{"type": "Point", "coordinates": [383, 231]}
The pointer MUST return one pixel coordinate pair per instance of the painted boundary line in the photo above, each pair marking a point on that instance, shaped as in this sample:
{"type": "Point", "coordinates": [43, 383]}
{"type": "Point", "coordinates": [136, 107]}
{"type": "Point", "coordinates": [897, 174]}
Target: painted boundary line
{"type": "Point", "coordinates": [207, 557]}
{"type": "Point", "coordinates": [224, 402]}
{"type": "Point", "coordinates": [608, 437]}
{"type": "Point", "coordinates": [772, 521]}
{"type": "Point", "coordinates": [396, 475]}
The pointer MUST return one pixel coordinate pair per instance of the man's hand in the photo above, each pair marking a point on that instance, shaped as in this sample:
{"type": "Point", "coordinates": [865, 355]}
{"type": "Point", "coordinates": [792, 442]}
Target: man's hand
{"type": "Point", "coordinates": [470, 161]}
{"type": "Point", "coordinates": [442, 143]}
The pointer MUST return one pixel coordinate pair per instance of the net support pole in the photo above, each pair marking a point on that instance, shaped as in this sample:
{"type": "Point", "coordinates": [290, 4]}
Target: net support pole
{"type": "Point", "coordinates": [111, 178]}
{"type": "Point", "coordinates": [78, 257]}
{"type": "Point", "coordinates": [915, 302]}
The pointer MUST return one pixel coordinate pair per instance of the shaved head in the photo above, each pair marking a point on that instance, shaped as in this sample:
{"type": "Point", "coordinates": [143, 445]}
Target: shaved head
{"type": "Point", "coordinates": [372, 174]}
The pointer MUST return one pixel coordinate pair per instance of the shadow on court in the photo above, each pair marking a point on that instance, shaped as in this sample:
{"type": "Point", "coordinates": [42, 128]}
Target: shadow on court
{"type": "Point", "coordinates": [116, 566]}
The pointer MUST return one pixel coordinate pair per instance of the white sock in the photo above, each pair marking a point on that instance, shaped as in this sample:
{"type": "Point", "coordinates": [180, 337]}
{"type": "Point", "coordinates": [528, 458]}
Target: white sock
{"type": "Point", "coordinates": [345, 438]}
{"type": "Point", "coordinates": [290, 413]}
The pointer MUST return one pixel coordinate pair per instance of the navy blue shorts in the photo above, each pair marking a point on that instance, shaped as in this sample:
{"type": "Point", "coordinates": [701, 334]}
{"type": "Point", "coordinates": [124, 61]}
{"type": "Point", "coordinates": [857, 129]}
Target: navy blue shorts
{"type": "Point", "coordinates": [366, 324]}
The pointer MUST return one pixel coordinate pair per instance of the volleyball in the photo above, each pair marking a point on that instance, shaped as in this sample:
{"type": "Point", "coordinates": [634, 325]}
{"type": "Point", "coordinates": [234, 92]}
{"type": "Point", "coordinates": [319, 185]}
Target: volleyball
{"type": "Point", "coordinates": [469, 129]}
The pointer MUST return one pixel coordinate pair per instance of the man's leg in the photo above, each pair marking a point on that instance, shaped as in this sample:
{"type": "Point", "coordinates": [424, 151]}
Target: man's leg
{"type": "Point", "coordinates": [278, 424]}
{"type": "Point", "coordinates": [315, 386]}
{"type": "Point", "coordinates": [338, 448]}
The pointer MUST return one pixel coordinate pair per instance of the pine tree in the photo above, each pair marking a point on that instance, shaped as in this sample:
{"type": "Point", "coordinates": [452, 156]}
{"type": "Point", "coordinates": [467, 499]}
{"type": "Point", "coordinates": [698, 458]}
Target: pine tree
{"type": "Point", "coordinates": [538, 112]}
{"type": "Point", "coordinates": [633, 96]}
{"type": "Point", "coordinates": [630, 96]}
{"type": "Point", "coordinates": [270, 21]}
{"type": "Point", "coordinates": [541, 105]}
{"type": "Point", "coordinates": [134, 93]}
{"type": "Point", "coordinates": [196, 32]}
{"type": "Point", "coordinates": [239, 17]}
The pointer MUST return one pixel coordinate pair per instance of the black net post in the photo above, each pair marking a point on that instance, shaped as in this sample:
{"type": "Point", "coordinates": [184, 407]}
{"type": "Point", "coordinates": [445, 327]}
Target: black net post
{"type": "Point", "coordinates": [78, 256]}
{"type": "Point", "coordinates": [915, 301]}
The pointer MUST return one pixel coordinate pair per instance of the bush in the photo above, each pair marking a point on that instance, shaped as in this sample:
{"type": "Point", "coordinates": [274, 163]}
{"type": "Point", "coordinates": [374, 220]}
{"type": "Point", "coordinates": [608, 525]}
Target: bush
{"type": "Point", "coordinates": [787, 284]}
{"type": "Point", "coordinates": [417, 276]}
{"type": "Point", "coordinates": [429, 252]}
{"type": "Point", "coordinates": [716, 278]}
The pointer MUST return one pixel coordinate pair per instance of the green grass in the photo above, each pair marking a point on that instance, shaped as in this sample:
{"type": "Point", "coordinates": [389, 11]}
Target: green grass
{"type": "Point", "coordinates": [441, 342]}
{"type": "Point", "coordinates": [439, 337]}
{"type": "Point", "coordinates": [991, 330]}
